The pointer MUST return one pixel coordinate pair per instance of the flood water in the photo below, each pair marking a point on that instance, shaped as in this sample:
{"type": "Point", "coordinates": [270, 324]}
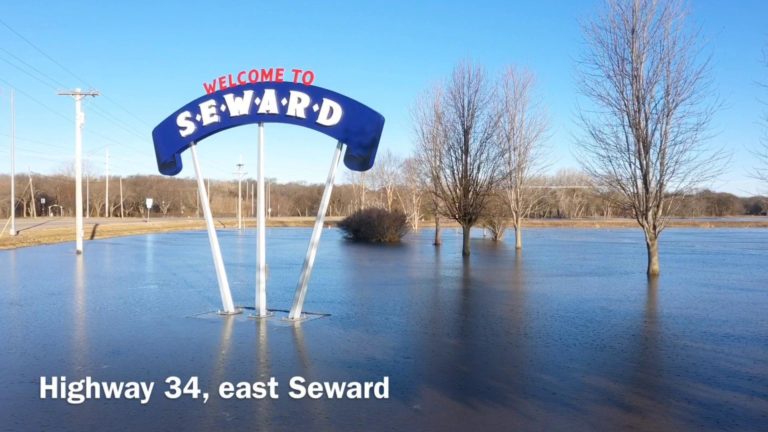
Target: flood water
{"type": "Point", "coordinates": [567, 335]}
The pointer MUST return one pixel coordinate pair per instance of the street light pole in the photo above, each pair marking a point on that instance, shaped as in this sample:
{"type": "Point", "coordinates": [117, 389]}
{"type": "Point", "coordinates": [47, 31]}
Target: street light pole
{"type": "Point", "coordinates": [240, 174]}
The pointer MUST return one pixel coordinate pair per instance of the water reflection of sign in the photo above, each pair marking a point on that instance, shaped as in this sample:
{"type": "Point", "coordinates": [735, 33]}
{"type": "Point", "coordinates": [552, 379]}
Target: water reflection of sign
{"type": "Point", "coordinates": [354, 125]}
{"type": "Point", "coordinates": [335, 115]}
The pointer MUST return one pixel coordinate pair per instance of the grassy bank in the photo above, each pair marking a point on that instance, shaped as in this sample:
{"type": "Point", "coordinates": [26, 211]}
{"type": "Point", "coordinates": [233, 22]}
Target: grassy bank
{"type": "Point", "coordinates": [32, 233]}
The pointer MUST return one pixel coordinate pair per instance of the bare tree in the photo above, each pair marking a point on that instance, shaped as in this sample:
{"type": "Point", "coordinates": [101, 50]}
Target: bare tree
{"type": "Point", "coordinates": [467, 170]}
{"type": "Point", "coordinates": [572, 191]}
{"type": "Point", "coordinates": [360, 183]}
{"type": "Point", "coordinates": [649, 90]}
{"type": "Point", "coordinates": [385, 176]}
{"type": "Point", "coordinates": [521, 133]}
{"type": "Point", "coordinates": [761, 172]}
{"type": "Point", "coordinates": [165, 206]}
{"type": "Point", "coordinates": [411, 190]}
{"type": "Point", "coordinates": [431, 141]}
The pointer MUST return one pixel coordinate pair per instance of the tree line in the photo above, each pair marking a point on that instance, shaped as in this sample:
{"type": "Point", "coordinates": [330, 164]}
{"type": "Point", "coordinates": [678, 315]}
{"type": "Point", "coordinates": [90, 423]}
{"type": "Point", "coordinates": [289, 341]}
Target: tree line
{"type": "Point", "coordinates": [388, 187]}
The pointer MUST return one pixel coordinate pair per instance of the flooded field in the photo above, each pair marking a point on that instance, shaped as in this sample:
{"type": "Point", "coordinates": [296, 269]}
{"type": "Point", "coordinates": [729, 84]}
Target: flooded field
{"type": "Point", "coordinates": [567, 335]}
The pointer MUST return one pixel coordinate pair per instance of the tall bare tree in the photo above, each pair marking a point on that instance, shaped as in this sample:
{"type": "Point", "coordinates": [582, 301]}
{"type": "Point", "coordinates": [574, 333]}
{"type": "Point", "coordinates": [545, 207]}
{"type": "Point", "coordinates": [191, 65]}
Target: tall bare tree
{"type": "Point", "coordinates": [431, 141]}
{"type": "Point", "coordinates": [468, 168]}
{"type": "Point", "coordinates": [521, 133]}
{"type": "Point", "coordinates": [761, 172]}
{"type": "Point", "coordinates": [644, 136]}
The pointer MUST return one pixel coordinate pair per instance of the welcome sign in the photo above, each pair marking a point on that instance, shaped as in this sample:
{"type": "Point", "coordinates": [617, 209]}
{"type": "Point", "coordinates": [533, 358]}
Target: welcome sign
{"type": "Point", "coordinates": [259, 97]}
{"type": "Point", "coordinates": [325, 111]}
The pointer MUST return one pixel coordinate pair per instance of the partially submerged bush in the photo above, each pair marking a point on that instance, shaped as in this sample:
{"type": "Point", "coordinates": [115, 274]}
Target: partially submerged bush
{"type": "Point", "coordinates": [375, 225]}
{"type": "Point", "coordinates": [496, 225]}
{"type": "Point", "coordinates": [496, 218]}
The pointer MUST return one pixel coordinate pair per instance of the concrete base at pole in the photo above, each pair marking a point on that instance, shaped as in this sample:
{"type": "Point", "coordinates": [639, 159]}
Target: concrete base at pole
{"type": "Point", "coordinates": [238, 310]}
{"type": "Point", "coordinates": [267, 314]}
{"type": "Point", "coordinates": [276, 317]}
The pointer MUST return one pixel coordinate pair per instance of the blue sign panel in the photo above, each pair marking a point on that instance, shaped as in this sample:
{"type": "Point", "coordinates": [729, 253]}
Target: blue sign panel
{"type": "Point", "coordinates": [335, 115]}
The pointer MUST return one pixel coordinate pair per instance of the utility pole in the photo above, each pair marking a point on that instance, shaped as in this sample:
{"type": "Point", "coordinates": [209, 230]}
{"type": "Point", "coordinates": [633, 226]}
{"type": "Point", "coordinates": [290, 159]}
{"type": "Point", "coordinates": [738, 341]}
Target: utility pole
{"type": "Point", "coordinates": [32, 195]}
{"type": "Point", "coordinates": [106, 193]}
{"type": "Point", "coordinates": [197, 205]}
{"type": "Point", "coordinates": [240, 175]}
{"type": "Point", "coordinates": [12, 231]}
{"type": "Point", "coordinates": [78, 96]}
{"type": "Point", "coordinates": [253, 193]}
{"type": "Point", "coordinates": [122, 215]}
{"type": "Point", "coordinates": [87, 197]}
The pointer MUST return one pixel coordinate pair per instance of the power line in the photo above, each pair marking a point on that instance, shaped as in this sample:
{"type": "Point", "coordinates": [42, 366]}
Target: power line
{"type": "Point", "coordinates": [52, 110]}
{"type": "Point", "coordinates": [37, 78]}
{"type": "Point", "coordinates": [62, 116]}
{"type": "Point", "coordinates": [99, 112]}
{"type": "Point", "coordinates": [67, 70]}
{"type": "Point", "coordinates": [43, 53]}
{"type": "Point", "coordinates": [118, 122]}
{"type": "Point", "coordinates": [42, 143]}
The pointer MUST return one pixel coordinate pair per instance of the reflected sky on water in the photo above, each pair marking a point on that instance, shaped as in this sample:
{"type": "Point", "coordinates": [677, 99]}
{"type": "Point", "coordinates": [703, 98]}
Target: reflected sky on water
{"type": "Point", "coordinates": [567, 334]}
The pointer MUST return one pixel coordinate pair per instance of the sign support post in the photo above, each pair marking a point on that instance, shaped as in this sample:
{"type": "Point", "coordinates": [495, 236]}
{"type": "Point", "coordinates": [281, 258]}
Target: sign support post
{"type": "Point", "coordinates": [309, 260]}
{"type": "Point", "coordinates": [218, 262]}
{"type": "Point", "coordinates": [261, 250]}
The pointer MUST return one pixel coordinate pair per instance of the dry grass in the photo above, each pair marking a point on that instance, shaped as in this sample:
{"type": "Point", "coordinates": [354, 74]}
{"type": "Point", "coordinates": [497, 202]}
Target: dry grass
{"type": "Point", "coordinates": [38, 235]}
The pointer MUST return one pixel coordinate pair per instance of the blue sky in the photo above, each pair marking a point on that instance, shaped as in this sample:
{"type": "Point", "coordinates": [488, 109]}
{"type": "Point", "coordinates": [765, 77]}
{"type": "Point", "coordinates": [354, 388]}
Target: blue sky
{"type": "Point", "coordinates": [149, 59]}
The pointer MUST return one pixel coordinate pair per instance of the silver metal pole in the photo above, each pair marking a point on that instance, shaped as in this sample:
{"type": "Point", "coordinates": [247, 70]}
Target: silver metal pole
{"type": "Point", "coordinates": [240, 194]}
{"type": "Point", "coordinates": [261, 252]}
{"type": "Point", "coordinates": [12, 231]}
{"type": "Point", "coordinates": [78, 174]}
{"type": "Point", "coordinates": [309, 261]}
{"type": "Point", "coordinates": [218, 262]}
{"type": "Point", "coordinates": [106, 192]}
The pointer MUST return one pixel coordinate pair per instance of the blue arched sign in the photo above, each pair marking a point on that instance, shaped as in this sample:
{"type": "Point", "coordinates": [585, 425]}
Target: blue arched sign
{"type": "Point", "coordinates": [350, 122]}
{"type": "Point", "coordinates": [356, 127]}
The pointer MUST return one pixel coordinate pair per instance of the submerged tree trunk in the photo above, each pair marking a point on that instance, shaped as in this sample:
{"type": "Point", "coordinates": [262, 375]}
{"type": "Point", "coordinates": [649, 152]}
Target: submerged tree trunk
{"type": "Point", "coordinates": [652, 243]}
{"type": "Point", "coordinates": [517, 223]}
{"type": "Point", "coordinates": [465, 243]}
{"type": "Point", "coordinates": [438, 238]}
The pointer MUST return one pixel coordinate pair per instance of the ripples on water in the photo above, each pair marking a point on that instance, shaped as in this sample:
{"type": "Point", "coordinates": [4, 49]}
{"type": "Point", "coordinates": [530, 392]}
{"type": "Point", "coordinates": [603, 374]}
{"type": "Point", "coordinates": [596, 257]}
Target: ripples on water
{"type": "Point", "coordinates": [568, 334]}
